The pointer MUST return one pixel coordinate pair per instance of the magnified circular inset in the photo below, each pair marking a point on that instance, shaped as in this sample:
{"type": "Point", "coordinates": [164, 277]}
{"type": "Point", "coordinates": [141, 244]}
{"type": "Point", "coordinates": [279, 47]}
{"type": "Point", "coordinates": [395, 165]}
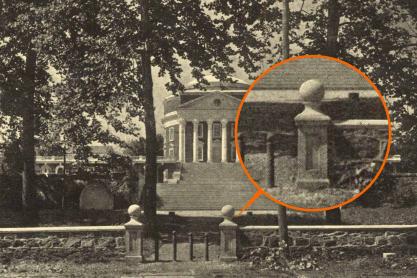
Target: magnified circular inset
{"type": "Point", "coordinates": [313, 133]}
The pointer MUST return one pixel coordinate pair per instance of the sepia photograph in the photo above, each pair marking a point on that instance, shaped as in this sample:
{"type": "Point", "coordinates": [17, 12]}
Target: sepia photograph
{"type": "Point", "coordinates": [208, 138]}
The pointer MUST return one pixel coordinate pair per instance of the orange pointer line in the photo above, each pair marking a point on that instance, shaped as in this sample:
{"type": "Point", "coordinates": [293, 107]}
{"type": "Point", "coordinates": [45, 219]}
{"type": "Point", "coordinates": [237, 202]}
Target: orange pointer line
{"type": "Point", "coordinates": [251, 200]}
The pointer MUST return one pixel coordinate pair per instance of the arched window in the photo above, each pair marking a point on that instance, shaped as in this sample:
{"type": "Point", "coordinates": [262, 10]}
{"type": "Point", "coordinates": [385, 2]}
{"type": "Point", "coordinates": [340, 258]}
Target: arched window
{"type": "Point", "coordinates": [59, 170]}
{"type": "Point", "coordinates": [45, 170]}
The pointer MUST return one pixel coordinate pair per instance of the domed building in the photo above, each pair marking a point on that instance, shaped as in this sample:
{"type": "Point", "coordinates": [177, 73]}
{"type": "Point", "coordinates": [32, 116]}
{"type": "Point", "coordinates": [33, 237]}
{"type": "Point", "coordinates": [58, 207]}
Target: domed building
{"type": "Point", "coordinates": [199, 171]}
{"type": "Point", "coordinates": [199, 123]}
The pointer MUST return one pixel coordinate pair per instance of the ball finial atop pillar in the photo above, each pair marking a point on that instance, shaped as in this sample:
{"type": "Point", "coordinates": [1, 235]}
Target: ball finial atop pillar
{"type": "Point", "coordinates": [134, 211]}
{"type": "Point", "coordinates": [228, 212]}
{"type": "Point", "coordinates": [312, 123]}
{"type": "Point", "coordinates": [312, 90]}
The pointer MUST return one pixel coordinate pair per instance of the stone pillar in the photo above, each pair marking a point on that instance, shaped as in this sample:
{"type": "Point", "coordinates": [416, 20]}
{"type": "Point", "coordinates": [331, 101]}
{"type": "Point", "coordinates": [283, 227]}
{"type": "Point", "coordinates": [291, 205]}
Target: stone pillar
{"type": "Point", "coordinates": [181, 140]}
{"type": "Point", "coordinates": [209, 140]}
{"type": "Point", "coordinates": [312, 138]}
{"type": "Point", "coordinates": [134, 236]}
{"type": "Point", "coordinates": [270, 159]}
{"type": "Point", "coordinates": [242, 147]}
{"type": "Point", "coordinates": [195, 140]}
{"type": "Point", "coordinates": [228, 235]}
{"type": "Point", "coordinates": [224, 140]}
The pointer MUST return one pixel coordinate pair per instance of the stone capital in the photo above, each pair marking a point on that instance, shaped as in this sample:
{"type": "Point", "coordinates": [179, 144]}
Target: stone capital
{"type": "Point", "coordinates": [228, 224]}
{"type": "Point", "coordinates": [224, 121]}
{"type": "Point", "coordinates": [311, 116]}
{"type": "Point", "coordinates": [195, 122]}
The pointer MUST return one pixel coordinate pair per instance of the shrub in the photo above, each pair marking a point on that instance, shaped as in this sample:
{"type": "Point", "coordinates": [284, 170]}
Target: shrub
{"type": "Point", "coordinates": [10, 191]}
{"type": "Point", "coordinates": [275, 259]}
{"type": "Point", "coordinates": [381, 191]}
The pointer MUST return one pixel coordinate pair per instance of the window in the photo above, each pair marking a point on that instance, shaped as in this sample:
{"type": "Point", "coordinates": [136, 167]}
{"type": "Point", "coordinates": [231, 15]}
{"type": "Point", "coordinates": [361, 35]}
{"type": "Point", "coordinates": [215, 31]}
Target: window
{"type": "Point", "coordinates": [232, 152]}
{"type": "Point", "coordinates": [59, 170]}
{"type": "Point", "coordinates": [200, 130]}
{"type": "Point", "coordinates": [45, 169]}
{"type": "Point", "coordinates": [171, 153]}
{"type": "Point", "coordinates": [217, 130]}
{"type": "Point", "coordinates": [200, 153]}
{"type": "Point", "coordinates": [171, 133]}
{"type": "Point", "coordinates": [232, 130]}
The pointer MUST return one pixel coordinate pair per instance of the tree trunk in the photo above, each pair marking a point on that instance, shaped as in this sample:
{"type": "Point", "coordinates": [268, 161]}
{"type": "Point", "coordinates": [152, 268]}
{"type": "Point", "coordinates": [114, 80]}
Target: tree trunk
{"type": "Point", "coordinates": [285, 29]}
{"type": "Point", "coordinates": [333, 21]}
{"type": "Point", "coordinates": [282, 211]}
{"type": "Point", "coordinates": [28, 143]}
{"type": "Point", "coordinates": [150, 129]}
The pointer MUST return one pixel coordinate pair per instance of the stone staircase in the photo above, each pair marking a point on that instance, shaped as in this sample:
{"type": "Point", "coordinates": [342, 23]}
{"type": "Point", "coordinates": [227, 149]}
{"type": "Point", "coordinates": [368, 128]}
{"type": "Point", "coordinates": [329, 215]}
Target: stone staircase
{"type": "Point", "coordinates": [210, 186]}
{"type": "Point", "coordinates": [211, 173]}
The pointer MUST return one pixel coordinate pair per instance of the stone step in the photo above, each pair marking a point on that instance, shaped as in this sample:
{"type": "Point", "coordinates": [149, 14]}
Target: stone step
{"type": "Point", "coordinates": [213, 200]}
{"type": "Point", "coordinates": [210, 186]}
{"type": "Point", "coordinates": [210, 172]}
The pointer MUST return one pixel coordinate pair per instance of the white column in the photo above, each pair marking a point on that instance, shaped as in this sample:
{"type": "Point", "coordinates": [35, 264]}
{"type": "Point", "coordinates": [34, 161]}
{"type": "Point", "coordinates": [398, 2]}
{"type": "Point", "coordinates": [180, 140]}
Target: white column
{"type": "Point", "coordinates": [236, 155]}
{"type": "Point", "coordinates": [224, 140]}
{"type": "Point", "coordinates": [195, 140]}
{"type": "Point", "coordinates": [209, 140]}
{"type": "Point", "coordinates": [181, 141]}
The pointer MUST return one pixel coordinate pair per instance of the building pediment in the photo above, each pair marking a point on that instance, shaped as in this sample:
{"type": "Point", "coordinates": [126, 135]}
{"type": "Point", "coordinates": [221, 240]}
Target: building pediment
{"type": "Point", "coordinates": [212, 101]}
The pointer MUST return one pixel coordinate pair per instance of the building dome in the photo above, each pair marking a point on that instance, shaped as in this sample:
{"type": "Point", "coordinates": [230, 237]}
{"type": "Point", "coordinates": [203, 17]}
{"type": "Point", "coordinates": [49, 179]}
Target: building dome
{"type": "Point", "coordinates": [216, 84]}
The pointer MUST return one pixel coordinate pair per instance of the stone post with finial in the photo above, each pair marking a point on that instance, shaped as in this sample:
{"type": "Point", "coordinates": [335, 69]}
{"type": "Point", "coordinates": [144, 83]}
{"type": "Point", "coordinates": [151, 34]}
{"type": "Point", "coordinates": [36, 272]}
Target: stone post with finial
{"type": "Point", "coordinates": [134, 236]}
{"type": "Point", "coordinates": [312, 126]}
{"type": "Point", "coordinates": [228, 235]}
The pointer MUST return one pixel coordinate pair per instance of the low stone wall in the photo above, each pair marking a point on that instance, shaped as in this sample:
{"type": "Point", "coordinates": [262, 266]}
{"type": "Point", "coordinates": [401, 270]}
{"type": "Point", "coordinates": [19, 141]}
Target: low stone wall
{"type": "Point", "coordinates": [48, 245]}
{"type": "Point", "coordinates": [364, 240]}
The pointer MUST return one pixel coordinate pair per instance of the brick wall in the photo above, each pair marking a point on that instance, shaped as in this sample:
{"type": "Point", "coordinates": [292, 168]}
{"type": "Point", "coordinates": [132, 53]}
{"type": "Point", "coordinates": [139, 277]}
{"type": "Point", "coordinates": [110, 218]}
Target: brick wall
{"type": "Point", "coordinates": [353, 144]}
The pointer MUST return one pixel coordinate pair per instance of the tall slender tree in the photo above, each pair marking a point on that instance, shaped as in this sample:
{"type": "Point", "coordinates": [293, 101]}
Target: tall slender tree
{"type": "Point", "coordinates": [23, 81]}
{"type": "Point", "coordinates": [282, 210]}
{"type": "Point", "coordinates": [114, 45]}
{"type": "Point", "coordinates": [381, 40]}
{"type": "Point", "coordinates": [35, 103]}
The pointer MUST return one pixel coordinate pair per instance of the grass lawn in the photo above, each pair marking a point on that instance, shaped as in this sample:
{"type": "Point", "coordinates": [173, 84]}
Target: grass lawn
{"type": "Point", "coordinates": [385, 214]}
{"type": "Point", "coordinates": [360, 267]}
{"type": "Point", "coordinates": [121, 269]}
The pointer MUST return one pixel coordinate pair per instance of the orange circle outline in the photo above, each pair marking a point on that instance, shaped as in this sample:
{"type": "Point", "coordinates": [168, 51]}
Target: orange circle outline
{"type": "Point", "coordinates": [266, 194]}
